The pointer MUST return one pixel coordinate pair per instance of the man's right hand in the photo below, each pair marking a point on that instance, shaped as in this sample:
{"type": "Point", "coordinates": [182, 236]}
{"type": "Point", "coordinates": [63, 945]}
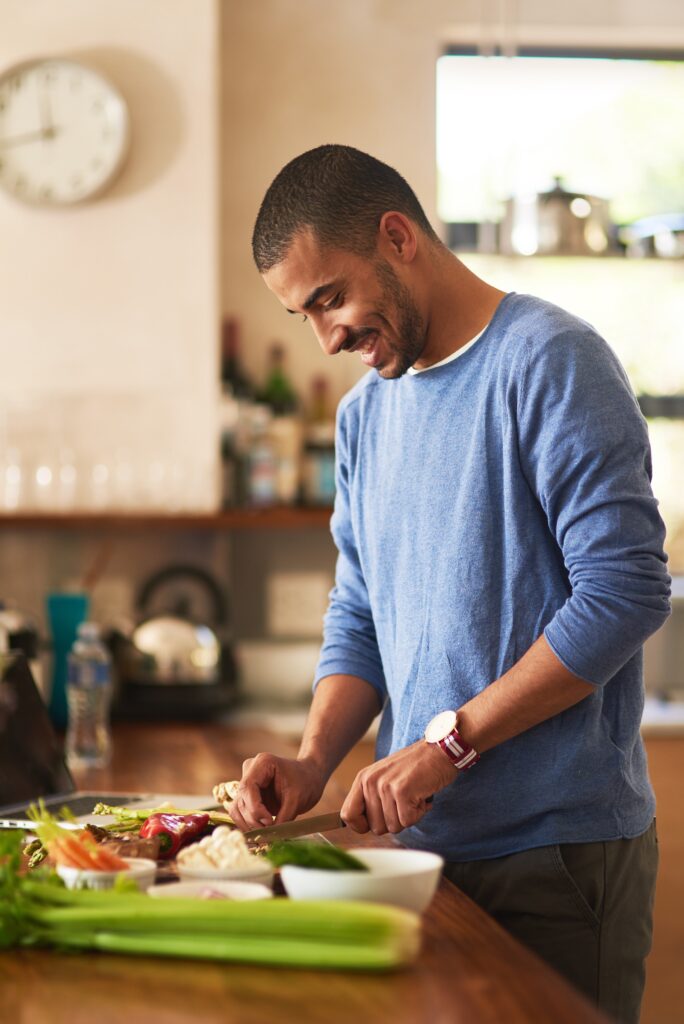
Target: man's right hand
{"type": "Point", "coordinates": [277, 787]}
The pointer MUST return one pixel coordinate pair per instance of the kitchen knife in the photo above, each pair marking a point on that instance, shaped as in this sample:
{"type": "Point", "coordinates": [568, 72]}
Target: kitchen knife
{"type": "Point", "coordinates": [293, 829]}
{"type": "Point", "coordinates": [28, 826]}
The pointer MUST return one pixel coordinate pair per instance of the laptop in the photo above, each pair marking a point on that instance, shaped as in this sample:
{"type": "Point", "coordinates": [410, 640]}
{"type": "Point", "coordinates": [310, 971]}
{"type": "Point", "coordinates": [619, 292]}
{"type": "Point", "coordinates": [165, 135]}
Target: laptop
{"type": "Point", "coordinates": [32, 763]}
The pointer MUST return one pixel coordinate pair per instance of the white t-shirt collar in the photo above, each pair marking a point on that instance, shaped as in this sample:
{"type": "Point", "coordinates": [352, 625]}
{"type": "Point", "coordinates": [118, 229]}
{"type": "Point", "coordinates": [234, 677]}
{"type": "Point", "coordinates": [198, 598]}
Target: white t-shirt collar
{"type": "Point", "coordinates": [449, 359]}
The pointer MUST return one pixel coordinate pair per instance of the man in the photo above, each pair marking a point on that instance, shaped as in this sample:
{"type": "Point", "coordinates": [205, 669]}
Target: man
{"type": "Point", "coordinates": [500, 567]}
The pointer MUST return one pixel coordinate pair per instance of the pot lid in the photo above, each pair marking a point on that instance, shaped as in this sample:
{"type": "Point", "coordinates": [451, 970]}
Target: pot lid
{"type": "Point", "coordinates": [172, 640]}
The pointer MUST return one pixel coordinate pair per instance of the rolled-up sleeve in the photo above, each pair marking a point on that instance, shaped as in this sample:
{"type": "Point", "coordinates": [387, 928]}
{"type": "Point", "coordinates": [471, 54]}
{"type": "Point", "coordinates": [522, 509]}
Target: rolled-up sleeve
{"type": "Point", "coordinates": [585, 451]}
{"type": "Point", "coordinates": [349, 640]}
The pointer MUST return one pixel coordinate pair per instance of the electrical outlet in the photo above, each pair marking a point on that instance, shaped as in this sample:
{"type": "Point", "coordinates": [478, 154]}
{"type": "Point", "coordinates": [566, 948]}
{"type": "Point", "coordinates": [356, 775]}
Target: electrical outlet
{"type": "Point", "coordinates": [296, 603]}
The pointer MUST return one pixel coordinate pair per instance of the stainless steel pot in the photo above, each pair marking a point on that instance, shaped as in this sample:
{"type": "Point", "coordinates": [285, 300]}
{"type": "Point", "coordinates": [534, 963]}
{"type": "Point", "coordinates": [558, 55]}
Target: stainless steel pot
{"type": "Point", "coordinates": [556, 222]}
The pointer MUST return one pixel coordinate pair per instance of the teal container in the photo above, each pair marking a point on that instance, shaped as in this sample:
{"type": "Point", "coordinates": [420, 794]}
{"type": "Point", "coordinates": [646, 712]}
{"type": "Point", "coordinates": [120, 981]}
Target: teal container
{"type": "Point", "coordinates": [65, 613]}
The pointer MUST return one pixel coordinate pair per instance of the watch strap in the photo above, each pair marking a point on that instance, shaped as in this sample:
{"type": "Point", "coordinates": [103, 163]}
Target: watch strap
{"type": "Point", "coordinates": [461, 755]}
{"type": "Point", "coordinates": [443, 732]}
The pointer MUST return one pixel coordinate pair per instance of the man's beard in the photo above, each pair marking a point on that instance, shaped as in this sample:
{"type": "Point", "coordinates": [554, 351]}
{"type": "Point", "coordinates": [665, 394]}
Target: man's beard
{"type": "Point", "coordinates": [410, 326]}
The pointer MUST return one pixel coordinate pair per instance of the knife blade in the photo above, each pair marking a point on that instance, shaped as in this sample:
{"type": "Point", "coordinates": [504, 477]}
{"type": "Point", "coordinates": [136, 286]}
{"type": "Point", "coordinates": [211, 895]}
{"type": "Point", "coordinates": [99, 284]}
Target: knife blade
{"type": "Point", "coordinates": [28, 826]}
{"type": "Point", "coordinates": [293, 829]}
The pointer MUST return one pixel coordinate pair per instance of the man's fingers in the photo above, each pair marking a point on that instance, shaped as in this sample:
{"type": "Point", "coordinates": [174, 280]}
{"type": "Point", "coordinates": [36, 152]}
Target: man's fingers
{"type": "Point", "coordinates": [374, 810]}
{"type": "Point", "coordinates": [409, 813]}
{"type": "Point", "coordinates": [390, 813]}
{"type": "Point", "coordinates": [234, 812]}
{"type": "Point", "coordinates": [251, 805]}
{"type": "Point", "coordinates": [288, 807]}
{"type": "Point", "coordinates": [353, 809]}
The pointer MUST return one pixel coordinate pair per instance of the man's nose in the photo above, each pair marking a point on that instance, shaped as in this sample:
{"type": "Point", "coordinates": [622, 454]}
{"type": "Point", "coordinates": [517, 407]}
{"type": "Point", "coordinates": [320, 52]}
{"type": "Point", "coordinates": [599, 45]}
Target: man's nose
{"type": "Point", "coordinates": [330, 337]}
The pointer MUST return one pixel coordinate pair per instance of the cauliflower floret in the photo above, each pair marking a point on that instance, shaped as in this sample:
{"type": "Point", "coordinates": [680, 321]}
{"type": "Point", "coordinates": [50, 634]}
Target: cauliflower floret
{"type": "Point", "coordinates": [224, 848]}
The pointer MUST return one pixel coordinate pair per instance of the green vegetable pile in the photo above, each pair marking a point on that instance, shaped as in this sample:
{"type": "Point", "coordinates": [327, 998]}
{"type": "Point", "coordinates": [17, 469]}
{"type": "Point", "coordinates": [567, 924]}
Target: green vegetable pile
{"type": "Point", "coordinates": [36, 910]}
{"type": "Point", "coordinates": [324, 856]}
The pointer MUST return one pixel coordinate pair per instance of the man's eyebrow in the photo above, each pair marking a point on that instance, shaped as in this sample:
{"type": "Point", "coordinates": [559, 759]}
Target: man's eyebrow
{"type": "Point", "coordinates": [315, 295]}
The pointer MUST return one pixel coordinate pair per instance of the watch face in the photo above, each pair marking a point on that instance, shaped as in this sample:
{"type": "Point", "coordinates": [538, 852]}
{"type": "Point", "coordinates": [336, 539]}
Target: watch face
{"type": "Point", "coordinates": [440, 726]}
{"type": "Point", "coordinates": [64, 132]}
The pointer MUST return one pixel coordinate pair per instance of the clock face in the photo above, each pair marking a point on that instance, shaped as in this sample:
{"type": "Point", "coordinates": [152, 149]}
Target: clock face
{"type": "Point", "coordinates": [64, 132]}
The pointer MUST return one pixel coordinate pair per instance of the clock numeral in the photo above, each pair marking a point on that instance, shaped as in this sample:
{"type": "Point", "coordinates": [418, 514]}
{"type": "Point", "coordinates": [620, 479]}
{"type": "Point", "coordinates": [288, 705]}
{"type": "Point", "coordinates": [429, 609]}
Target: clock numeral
{"type": "Point", "coordinates": [96, 164]}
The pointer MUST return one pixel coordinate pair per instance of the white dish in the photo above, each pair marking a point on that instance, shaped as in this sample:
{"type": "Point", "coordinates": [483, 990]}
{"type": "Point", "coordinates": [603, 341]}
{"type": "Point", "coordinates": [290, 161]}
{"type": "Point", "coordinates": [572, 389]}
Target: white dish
{"type": "Point", "coordinates": [404, 878]}
{"type": "Point", "coordinates": [139, 870]}
{"type": "Point", "coordinates": [261, 872]}
{"type": "Point", "coordinates": [198, 890]}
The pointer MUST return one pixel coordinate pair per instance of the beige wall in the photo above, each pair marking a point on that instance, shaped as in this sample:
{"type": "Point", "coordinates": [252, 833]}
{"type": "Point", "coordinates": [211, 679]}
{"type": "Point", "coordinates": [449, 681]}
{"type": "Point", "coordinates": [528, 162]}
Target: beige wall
{"type": "Point", "coordinates": [108, 336]}
{"type": "Point", "coordinates": [298, 73]}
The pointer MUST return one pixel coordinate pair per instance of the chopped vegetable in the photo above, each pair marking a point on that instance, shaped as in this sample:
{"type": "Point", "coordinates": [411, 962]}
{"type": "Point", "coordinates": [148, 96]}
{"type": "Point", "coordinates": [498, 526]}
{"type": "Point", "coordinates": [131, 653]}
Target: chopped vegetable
{"type": "Point", "coordinates": [173, 830]}
{"type": "Point", "coordinates": [224, 848]}
{"type": "Point", "coordinates": [75, 849]}
{"type": "Point", "coordinates": [324, 856]}
{"type": "Point", "coordinates": [36, 910]}
{"type": "Point", "coordinates": [36, 853]}
{"type": "Point", "coordinates": [224, 792]}
{"type": "Point", "coordinates": [130, 818]}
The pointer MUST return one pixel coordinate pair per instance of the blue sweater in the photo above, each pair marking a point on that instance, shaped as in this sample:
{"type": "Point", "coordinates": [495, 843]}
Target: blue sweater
{"type": "Point", "coordinates": [479, 504]}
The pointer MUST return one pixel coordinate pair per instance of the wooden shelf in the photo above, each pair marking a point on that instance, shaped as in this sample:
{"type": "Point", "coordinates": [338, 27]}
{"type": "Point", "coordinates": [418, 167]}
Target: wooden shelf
{"type": "Point", "coordinates": [276, 518]}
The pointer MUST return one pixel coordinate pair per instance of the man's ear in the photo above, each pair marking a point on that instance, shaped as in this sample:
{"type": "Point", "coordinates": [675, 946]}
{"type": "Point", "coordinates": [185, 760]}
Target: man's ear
{"type": "Point", "coordinates": [399, 234]}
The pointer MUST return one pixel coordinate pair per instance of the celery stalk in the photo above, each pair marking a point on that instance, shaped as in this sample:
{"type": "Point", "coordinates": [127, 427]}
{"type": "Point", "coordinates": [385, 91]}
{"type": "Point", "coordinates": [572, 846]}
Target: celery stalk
{"type": "Point", "coordinates": [255, 949]}
{"type": "Point", "coordinates": [38, 910]}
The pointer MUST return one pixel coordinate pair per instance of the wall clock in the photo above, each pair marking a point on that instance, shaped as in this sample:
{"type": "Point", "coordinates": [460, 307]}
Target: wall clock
{"type": "Point", "coordinates": [64, 132]}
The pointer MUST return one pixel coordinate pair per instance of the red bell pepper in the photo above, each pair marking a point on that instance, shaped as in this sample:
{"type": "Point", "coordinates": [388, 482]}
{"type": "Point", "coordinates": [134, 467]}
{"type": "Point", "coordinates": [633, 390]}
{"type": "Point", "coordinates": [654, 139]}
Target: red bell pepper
{"type": "Point", "coordinates": [173, 830]}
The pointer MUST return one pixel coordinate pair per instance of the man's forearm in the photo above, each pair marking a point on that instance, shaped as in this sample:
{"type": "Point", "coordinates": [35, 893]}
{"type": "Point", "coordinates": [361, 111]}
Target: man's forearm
{"type": "Point", "coordinates": [537, 687]}
{"type": "Point", "coordinates": [341, 710]}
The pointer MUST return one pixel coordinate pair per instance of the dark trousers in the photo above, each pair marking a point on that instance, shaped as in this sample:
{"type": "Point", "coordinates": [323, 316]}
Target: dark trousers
{"type": "Point", "coordinates": [584, 908]}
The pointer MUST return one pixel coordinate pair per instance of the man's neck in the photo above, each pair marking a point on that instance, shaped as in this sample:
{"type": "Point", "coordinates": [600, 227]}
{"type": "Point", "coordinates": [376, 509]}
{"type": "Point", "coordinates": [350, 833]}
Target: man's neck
{"type": "Point", "coordinates": [460, 306]}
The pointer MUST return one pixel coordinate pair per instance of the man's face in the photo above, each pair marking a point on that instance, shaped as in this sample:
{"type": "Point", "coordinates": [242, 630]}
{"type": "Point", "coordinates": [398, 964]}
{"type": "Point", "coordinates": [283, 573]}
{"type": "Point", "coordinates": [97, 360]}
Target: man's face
{"type": "Point", "coordinates": [354, 304]}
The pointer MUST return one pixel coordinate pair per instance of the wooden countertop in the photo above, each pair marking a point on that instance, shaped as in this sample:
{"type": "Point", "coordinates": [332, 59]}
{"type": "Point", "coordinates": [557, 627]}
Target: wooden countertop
{"type": "Point", "coordinates": [469, 971]}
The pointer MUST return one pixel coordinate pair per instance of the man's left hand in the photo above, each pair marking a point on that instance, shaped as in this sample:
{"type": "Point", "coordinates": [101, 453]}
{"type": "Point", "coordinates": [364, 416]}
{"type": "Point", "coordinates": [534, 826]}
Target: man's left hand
{"type": "Point", "coordinates": [394, 793]}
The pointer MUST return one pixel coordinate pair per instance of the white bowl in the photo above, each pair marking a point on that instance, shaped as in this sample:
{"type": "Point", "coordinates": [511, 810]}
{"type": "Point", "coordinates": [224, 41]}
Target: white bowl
{"type": "Point", "coordinates": [261, 872]}
{"type": "Point", "coordinates": [404, 878]}
{"type": "Point", "coordinates": [139, 870]}
{"type": "Point", "coordinates": [198, 890]}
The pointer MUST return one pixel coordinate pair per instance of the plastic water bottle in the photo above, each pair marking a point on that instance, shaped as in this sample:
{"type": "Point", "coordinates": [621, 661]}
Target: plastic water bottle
{"type": "Point", "coordinates": [89, 695]}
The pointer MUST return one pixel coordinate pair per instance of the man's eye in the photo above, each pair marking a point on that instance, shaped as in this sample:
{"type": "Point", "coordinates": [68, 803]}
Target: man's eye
{"type": "Point", "coordinates": [334, 302]}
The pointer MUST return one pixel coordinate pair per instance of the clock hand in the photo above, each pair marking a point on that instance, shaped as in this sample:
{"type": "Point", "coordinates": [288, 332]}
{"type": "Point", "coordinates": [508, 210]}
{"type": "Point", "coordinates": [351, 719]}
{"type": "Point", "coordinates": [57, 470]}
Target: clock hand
{"type": "Point", "coordinates": [45, 110]}
{"type": "Point", "coordinates": [19, 140]}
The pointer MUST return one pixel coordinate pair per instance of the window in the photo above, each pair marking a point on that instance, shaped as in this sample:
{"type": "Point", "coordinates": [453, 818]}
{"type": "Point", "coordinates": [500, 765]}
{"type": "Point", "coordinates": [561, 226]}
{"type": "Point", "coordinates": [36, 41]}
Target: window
{"type": "Point", "coordinates": [608, 124]}
{"type": "Point", "coordinates": [602, 124]}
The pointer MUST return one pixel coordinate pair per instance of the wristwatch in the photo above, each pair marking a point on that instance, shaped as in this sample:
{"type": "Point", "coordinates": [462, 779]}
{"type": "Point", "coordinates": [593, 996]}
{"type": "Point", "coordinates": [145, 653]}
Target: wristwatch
{"type": "Point", "coordinates": [442, 731]}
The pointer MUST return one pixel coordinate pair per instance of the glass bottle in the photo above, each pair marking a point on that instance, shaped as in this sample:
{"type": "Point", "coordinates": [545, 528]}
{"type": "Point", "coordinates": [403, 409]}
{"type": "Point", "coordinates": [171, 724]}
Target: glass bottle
{"type": "Point", "coordinates": [318, 474]}
{"type": "Point", "coordinates": [237, 397]}
{"type": "Point", "coordinates": [278, 392]}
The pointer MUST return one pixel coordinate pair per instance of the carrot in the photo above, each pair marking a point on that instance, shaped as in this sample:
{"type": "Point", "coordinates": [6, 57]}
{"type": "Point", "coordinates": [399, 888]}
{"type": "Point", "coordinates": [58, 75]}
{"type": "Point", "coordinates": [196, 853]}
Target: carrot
{"type": "Point", "coordinates": [75, 849]}
{"type": "Point", "coordinates": [68, 851]}
{"type": "Point", "coordinates": [105, 860]}
{"type": "Point", "coordinates": [59, 856]}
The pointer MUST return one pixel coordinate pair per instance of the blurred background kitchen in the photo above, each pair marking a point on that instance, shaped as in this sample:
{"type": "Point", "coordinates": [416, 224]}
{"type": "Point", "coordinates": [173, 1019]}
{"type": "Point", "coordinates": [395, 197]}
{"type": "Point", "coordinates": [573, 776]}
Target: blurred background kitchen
{"type": "Point", "coordinates": [166, 431]}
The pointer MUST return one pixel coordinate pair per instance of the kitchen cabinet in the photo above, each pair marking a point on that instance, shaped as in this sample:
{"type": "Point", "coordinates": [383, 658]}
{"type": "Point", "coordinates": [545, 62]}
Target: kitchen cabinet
{"type": "Point", "coordinates": [469, 970]}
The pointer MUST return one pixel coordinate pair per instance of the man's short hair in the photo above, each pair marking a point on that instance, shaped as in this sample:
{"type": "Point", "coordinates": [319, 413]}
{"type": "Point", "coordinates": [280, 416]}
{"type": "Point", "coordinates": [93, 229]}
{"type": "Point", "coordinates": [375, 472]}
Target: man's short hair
{"type": "Point", "coordinates": [339, 193]}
